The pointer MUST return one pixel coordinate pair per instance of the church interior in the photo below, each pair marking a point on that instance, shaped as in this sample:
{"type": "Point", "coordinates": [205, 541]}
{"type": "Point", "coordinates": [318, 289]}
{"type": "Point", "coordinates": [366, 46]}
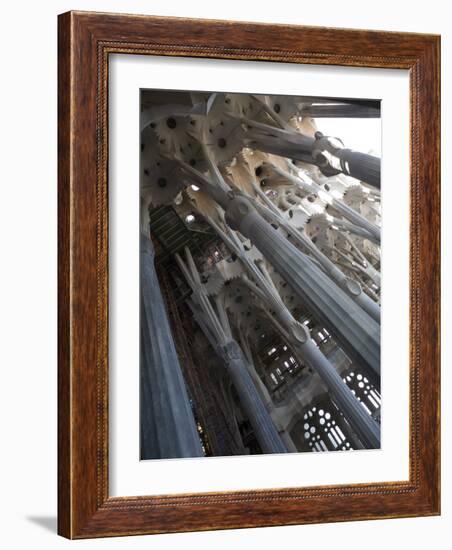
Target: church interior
{"type": "Point", "coordinates": [259, 275]}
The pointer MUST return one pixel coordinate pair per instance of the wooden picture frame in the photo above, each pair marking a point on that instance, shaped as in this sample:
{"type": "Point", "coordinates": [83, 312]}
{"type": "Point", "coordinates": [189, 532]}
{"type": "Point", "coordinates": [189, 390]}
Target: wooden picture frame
{"type": "Point", "coordinates": [86, 40]}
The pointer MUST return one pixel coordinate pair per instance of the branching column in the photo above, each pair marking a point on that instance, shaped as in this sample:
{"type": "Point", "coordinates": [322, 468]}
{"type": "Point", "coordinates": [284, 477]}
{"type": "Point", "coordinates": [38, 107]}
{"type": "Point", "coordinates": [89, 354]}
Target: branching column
{"type": "Point", "coordinates": [304, 348]}
{"type": "Point", "coordinates": [214, 323]}
{"type": "Point", "coordinates": [298, 338]}
{"type": "Point", "coordinates": [354, 329]}
{"type": "Point", "coordinates": [351, 287]}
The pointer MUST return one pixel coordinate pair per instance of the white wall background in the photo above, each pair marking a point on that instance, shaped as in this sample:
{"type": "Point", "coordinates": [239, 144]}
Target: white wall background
{"type": "Point", "coordinates": [28, 271]}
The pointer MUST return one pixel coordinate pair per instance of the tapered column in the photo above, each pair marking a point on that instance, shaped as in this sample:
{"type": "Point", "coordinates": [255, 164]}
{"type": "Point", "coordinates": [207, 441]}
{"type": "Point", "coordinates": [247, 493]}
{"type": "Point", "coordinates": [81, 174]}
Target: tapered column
{"type": "Point", "coordinates": [346, 225]}
{"type": "Point", "coordinates": [214, 322]}
{"type": "Point", "coordinates": [303, 347]}
{"type": "Point", "coordinates": [351, 287]}
{"type": "Point", "coordinates": [253, 406]}
{"type": "Point", "coordinates": [266, 398]}
{"type": "Point", "coordinates": [361, 422]}
{"type": "Point", "coordinates": [305, 350]}
{"type": "Point", "coordinates": [354, 329]}
{"type": "Point", "coordinates": [356, 218]}
{"type": "Point", "coordinates": [325, 152]}
{"type": "Point", "coordinates": [168, 428]}
{"type": "Point", "coordinates": [360, 166]}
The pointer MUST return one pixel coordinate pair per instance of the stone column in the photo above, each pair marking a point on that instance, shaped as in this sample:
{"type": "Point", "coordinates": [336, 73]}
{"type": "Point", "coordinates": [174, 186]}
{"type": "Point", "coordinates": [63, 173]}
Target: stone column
{"type": "Point", "coordinates": [304, 348]}
{"type": "Point", "coordinates": [351, 287]}
{"type": "Point", "coordinates": [266, 433]}
{"type": "Point", "coordinates": [266, 398]}
{"type": "Point", "coordinates": [360, 166]}
{"type": "Point", "coordinates": [168, 428]}
{"type": "Point", "coordinates": [325, 152]}
{"type": "Point", "coordinates": [356, 331]}
{"type": "Point", "coordinates": [346, 225]}
{"type": "Point", "coordinates": [356, 218]}
{"type": "Point", "coordinates": [215, 325]}
{"type": "Point", "coordinates": [361, 422]}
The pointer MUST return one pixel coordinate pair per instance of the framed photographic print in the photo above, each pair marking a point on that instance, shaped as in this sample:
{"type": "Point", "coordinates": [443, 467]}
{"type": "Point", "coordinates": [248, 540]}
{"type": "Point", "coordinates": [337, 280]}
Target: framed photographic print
{"type": "Point", "coordinates": [248, 275]}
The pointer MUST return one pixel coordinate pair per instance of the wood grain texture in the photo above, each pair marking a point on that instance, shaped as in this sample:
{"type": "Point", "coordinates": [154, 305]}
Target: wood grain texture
{"type": "Point", "coordinates": [85, 42]}
{"type": "Point", "coordinates": [64, 295]}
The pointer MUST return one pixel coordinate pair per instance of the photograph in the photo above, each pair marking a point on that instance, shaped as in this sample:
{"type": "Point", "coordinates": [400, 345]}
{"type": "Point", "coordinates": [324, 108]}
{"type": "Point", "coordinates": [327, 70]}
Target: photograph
{"type": "Point", "coordinates": [260, 261]}
{"type": "Point", "coordinates": [223, 315]}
